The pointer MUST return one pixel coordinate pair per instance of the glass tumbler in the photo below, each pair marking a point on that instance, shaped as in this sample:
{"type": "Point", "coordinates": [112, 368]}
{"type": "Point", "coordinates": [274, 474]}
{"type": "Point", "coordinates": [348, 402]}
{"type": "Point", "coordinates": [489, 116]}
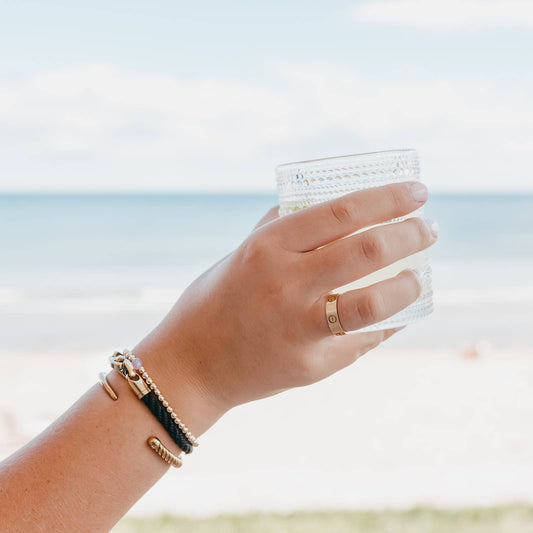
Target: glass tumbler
{"type": "Point", "coordinates": [308, 183]}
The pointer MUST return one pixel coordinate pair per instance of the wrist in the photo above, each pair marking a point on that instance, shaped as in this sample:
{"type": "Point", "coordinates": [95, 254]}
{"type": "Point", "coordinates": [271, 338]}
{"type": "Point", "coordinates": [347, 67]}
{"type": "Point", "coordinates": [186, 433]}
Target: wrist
{"type": "Point", "coordinates": [185, 392]}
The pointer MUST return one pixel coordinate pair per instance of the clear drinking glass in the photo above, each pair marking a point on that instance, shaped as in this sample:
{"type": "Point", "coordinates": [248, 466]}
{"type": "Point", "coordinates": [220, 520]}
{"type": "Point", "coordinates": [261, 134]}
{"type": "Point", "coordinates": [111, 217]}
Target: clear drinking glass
{"type": "Point", "coordinates": [308, 183]}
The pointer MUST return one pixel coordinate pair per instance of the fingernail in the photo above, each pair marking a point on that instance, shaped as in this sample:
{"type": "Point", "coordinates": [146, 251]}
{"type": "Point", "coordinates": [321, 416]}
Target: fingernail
{"type": "Point", "coordinates": [433, 226]}
{"type": "Point", "coordinates": [418, 273]}
{"type": "Point", "coordinates": [419, 192]}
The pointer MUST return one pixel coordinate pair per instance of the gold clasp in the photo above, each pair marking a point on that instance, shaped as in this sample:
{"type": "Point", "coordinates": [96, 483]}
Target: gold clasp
{"type": "Point", "coordinates": [117, 363]}
{"type": "Point", "coordinates": [139, 387]}
{"type": "Point", "coordinates": [130, 370]}
{"type": "Point", "coordinates": [123, 366]}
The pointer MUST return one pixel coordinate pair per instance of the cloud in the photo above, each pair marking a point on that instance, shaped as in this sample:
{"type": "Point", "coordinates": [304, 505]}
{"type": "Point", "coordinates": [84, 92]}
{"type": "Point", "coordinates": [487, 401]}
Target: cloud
{"type": "Point", "coordinates": [101, 128]}
{"type": "Point", "coordinates": [447, 14]}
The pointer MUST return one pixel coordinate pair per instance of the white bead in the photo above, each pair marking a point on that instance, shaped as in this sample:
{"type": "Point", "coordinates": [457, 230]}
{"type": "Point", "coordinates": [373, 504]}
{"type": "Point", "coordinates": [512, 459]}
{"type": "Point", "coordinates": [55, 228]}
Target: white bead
{"type": "Point", "coordinates": [145, 375]}
{"type": "Point", "coordinates": [160, 397]}
{"type": "Point", "coordinates": [174, 416]}
{"type": "Point", "coordinates": [169, 409]}
{"type": "Point", "coordinates": [152, 386]}
{"type": "Point", "coordinates": [165, 404]}
{"type": "Point", "coordinates": [157, 391]}
{"type": "Point", "coordinates": [149, 381]}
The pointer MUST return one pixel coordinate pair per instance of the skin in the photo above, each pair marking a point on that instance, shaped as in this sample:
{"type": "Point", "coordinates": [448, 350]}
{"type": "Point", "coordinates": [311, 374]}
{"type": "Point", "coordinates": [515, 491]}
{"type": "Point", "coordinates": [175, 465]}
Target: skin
{"type": "Point", "coordinates": [251, 326]}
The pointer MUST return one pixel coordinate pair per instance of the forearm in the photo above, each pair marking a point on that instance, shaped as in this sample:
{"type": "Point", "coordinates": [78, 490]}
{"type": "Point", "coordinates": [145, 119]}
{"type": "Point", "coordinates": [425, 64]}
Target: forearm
{"type": "Point", "coordinates": [92, 464]}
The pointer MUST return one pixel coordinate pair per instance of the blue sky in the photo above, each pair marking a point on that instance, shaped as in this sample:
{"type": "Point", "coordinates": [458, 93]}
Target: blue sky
{"type": "Point", "coordinates": [212, 95]}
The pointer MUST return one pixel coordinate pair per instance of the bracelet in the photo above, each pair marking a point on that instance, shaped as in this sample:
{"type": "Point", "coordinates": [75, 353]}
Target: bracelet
{"type": "Point", "coordinates": [164, 452]}
{"type": "Point", "coordinates": [102, 379]}
{"type": "Point", "coordinates": [137, 365]}
{"type": "Point", "coordinates": [130, 367]}
{"type": "Point", "coordinates": [153, 442]}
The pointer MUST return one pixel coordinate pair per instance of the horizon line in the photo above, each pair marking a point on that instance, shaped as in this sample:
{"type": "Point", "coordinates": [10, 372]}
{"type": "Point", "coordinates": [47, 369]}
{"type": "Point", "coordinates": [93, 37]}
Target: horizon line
{"type": "Point", "coordinates": [176, 192]}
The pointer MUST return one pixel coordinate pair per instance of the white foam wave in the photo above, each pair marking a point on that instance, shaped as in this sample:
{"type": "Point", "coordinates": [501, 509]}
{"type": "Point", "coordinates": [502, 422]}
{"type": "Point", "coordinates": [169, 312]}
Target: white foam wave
{"type": "Point", "coordinates": [522, 294]}
{"type": "Point", "coordinates": [144, 300]}
{"type": "Point", "coordinates": [152, 299]}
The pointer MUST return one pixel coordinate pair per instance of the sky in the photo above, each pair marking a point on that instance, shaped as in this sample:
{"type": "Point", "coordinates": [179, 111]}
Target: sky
{"type": "Point", "coordinates": [211, 96]}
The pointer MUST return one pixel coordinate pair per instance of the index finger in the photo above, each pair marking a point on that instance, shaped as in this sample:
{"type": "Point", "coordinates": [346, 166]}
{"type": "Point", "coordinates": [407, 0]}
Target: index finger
{"type": "Point", "coordinates": [320, 224]}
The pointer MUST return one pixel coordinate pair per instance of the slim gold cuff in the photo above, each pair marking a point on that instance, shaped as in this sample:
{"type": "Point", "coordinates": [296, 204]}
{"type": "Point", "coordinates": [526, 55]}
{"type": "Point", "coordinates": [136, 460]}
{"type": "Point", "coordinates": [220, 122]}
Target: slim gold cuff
{"type": "Point", "coordinates": [164, 452]}
{"type": "Point", "coordinates": [102, 379]}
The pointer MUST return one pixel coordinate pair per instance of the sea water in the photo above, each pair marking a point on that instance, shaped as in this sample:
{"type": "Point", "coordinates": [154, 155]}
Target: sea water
{"type": "Point", "coordinates": [88, 270]}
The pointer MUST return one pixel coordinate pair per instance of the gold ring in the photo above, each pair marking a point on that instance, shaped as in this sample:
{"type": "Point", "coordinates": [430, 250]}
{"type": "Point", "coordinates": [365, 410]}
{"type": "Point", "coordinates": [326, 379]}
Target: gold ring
{"type": "Point", "coordinates": [332, 315]}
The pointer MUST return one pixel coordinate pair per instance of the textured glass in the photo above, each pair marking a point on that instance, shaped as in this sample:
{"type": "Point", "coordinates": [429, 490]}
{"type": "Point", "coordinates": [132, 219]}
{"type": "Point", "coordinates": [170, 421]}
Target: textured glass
{"type": "Point", "coordinates": [308, 183]}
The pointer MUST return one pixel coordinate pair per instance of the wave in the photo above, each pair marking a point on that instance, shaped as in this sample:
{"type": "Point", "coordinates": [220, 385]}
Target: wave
{"type": "Point", "coordinates": [519, 294]}
{"type": "Point", "coordinates": [153, 299]}
{"type": "Point", "coordinates": [144, 300]}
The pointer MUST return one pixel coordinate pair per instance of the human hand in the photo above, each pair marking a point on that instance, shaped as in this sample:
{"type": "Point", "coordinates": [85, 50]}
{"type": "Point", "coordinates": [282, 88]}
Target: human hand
{"type": "Point", "coordinates": [254, 324]}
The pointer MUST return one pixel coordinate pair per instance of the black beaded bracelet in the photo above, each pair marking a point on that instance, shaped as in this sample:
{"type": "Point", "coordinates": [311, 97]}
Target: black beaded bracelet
{"type": "Point", "coordinates": [131, 368]}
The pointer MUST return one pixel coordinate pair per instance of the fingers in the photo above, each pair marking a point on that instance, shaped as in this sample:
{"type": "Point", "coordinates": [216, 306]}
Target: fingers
{"type": "Point", "coordinates": [369, 305]}
{"type": "Point", "coordinates": [362, 307]}
{"type": "Point", "coordinates": [346, 350]}
{"type": "Point", "coordinates": [270, 215]}
{"type": "Point", "coordinates": [354, 257]}
{"type": "Point", "coordinates": [320, 224]}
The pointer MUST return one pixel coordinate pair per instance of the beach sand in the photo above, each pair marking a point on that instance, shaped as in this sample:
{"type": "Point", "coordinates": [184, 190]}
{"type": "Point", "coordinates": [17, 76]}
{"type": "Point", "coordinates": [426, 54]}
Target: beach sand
{"type": "Point", "coordinates": [399, 428]}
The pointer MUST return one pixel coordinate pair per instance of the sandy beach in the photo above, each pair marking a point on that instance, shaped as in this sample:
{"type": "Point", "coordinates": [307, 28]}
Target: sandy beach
{"type": "Point", "coordinates": [399, 428]}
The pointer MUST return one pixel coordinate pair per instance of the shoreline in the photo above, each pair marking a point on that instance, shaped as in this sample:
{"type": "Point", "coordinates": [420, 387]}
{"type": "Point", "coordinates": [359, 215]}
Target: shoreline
{"type": "Point", "coordinates": [405, 428]}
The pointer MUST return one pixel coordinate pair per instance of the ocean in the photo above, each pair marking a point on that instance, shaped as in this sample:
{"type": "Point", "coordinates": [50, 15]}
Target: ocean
{"type": "Point", "coordinates": [71, 262]}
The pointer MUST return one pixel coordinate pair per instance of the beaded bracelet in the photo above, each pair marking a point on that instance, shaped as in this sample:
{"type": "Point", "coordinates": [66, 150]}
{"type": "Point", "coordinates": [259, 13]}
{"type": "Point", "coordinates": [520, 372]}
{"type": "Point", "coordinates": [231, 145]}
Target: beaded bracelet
{"type": "Point", "coordinates": [132, 369]}
{"type": "Point", "coordinates": [137, 365]}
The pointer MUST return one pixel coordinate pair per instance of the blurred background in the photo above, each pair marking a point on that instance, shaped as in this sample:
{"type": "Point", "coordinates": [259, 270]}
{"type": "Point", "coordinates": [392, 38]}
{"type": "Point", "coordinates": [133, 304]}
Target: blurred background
{"type": "Point", "coordinates": [138, 142]}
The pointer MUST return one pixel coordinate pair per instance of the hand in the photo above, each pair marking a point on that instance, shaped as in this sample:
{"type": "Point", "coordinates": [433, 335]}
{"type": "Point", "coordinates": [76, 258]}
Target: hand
{"type": "Point", "coordinates": [254, 324]}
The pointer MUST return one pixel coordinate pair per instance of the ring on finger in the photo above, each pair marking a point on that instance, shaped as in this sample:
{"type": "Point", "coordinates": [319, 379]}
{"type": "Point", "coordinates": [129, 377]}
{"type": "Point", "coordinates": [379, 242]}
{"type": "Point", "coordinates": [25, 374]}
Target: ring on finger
{"type": "Point", "coordinates": [332, 315]}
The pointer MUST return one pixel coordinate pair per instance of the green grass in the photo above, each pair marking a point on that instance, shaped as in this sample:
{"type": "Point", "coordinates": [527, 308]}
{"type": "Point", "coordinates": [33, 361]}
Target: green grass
{"type": "Point", "coordinates": [509, 519]}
